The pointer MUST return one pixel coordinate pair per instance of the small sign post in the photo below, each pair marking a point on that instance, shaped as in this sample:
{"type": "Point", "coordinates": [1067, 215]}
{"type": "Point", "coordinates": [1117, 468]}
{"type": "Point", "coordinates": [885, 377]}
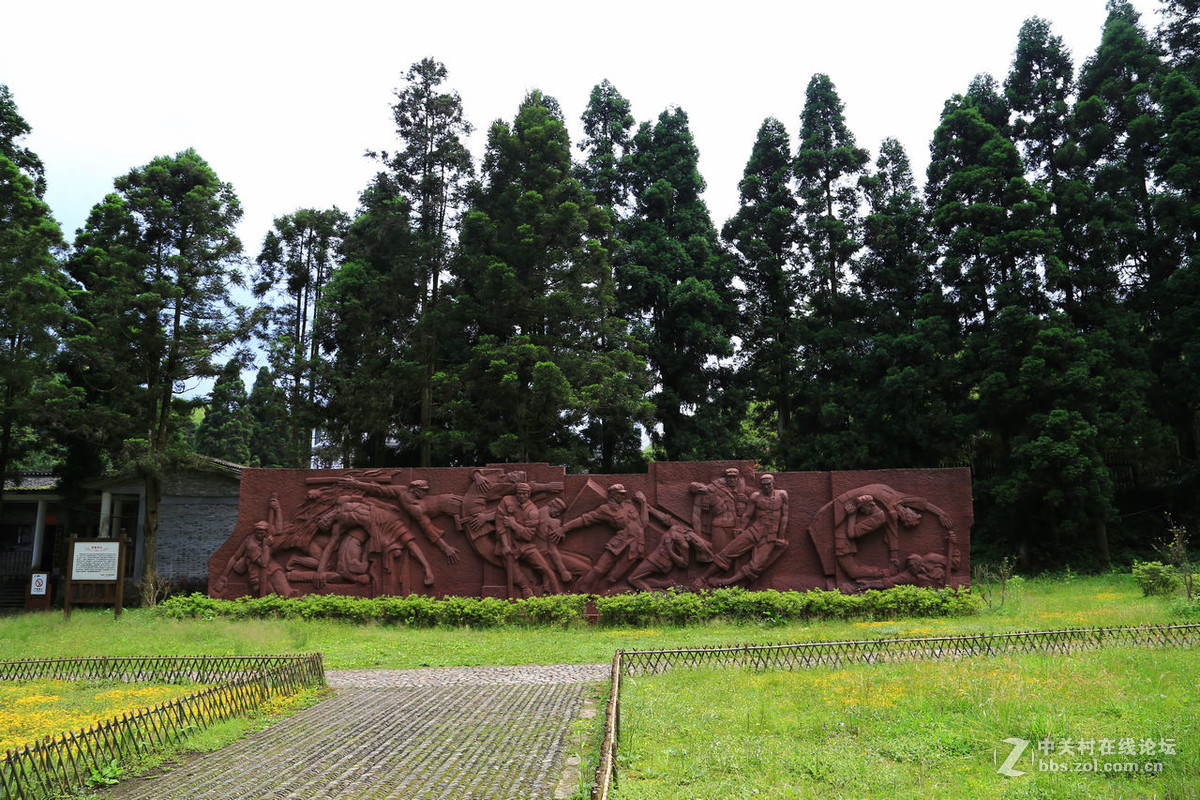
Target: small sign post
{"type": "Point", "coordinates": [37, 594]}
{"type": "Point", "coordinates": [96, 574]}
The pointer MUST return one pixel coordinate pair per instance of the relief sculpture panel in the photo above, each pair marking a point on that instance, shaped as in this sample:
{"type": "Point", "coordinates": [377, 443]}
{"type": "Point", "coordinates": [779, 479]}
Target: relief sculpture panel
{"type": "Point", "coordinates": [530, 529]}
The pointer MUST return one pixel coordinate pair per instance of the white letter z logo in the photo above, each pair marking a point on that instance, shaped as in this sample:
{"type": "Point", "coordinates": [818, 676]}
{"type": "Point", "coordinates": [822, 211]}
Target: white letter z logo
{"type": "Point", "coordinates": [1019, 746]}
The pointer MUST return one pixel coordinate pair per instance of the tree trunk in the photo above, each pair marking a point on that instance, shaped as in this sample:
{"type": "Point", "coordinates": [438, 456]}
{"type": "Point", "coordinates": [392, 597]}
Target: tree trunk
{"type": "Point", "coordinates": [426, 415]}
{"type": "Point", "coordinates": [149, 576]}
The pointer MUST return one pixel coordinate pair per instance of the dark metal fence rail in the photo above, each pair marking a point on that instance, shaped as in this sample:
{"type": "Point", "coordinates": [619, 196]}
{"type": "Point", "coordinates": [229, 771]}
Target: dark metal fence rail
{"type": "Point", "coordinates": [806, 655]}
{"type": "Point", "coordinates": [155, 669]}
{"type": "Point", "coordinates": [832, 654]}
{"type": "Point", "coordinates": [63, 762]}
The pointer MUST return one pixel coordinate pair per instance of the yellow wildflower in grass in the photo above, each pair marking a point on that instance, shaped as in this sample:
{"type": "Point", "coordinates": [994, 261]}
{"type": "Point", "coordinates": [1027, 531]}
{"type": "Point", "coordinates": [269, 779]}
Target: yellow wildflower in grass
{"type": "Point", "coordinates": [632, 632]}
{"type": "Point", "coordinates": [918, 631]}
{"type": "Point", "coordinates": [852, 688]}
{"type": "Point", "coordinates": [1072, 616]}
{"type": "Point", "coordinates": [34, 710]}
{"type": "Point", "coordinates": [282, 703]}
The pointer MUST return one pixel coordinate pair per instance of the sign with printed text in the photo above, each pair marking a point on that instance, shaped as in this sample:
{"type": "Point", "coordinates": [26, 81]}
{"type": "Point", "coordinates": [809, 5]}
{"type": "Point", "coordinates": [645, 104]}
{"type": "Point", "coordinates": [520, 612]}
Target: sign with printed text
{"type": "Point", "coordinates": [96, 561]}
{"type": "Point", "coordinates": [38, 583]}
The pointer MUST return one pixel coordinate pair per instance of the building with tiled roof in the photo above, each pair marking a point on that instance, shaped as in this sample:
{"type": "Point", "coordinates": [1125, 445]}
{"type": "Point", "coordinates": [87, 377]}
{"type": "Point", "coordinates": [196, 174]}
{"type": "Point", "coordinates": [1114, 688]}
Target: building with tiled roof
{"type": "Point", "coordinates": [197, 512]}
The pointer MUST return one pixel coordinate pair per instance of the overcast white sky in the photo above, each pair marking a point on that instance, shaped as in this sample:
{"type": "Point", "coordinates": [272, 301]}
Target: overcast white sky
{"type": "Point", "coordinates": [282, 98]}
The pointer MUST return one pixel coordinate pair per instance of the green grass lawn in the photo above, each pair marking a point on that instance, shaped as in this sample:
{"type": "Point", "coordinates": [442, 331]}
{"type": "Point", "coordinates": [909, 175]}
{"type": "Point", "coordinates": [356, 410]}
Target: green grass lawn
{"type": "Point", "coordinates": [919, 730]}
{"type": "Point", "coordinates": [1043, 603]}
{"type": "Point", "coordinates": [922, 729]}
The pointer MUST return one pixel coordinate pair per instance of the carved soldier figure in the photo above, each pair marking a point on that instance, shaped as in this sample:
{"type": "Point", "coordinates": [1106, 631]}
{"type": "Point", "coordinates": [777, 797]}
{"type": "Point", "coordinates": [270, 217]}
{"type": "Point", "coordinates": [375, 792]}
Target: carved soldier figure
{"type": "Point", "coordinates": [479, 520]}
{"type": "Point", "coordinates": [302, 533]}
{"type": "Point", "coordinates": [628, 544]}
{"type": "Point", "coordinates": [929, 570]}
{"type": "Point", "coordinates": [549, 533]}
{"type": "Point", "coordinates": [719, 503]}
{"type": "Point", "coordinates": [254, 560]}
{"type": "Point", "coordinates": [867, 509]}
{"type": "Point", "coordinates": [411, 500]}
{"type": "Point", "coordinates": [516, 526]}
{"type": "Point", "coordinates": [764, 525]}
{"type": "Point", "coordinates": [674, 550]}
{"type": "Point", "coordinates": [360, 527]}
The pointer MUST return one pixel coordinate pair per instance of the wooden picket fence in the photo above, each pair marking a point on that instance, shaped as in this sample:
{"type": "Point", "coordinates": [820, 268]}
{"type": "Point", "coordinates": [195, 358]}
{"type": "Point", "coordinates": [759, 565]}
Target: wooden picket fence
{"type": "Point", "coordinates": [143, 669]}
{"type": "Point", "coordinates": [66, 761]}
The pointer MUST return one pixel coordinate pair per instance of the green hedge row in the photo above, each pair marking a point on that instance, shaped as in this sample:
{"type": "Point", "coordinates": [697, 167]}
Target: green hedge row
{"type": "Point", "coordinates": [632, 609]}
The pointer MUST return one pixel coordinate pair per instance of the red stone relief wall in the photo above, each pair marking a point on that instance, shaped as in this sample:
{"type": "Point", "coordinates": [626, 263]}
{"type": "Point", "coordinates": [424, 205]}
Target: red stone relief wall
{"type": "Point", "coordinates": [520, 530]}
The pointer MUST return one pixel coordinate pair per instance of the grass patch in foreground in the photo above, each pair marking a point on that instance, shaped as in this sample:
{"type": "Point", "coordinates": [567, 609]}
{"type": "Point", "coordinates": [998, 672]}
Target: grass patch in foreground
{"type": "Point", "coordinates": [30, 710]}
{"type": "Point", "coordinates": [924, 729]}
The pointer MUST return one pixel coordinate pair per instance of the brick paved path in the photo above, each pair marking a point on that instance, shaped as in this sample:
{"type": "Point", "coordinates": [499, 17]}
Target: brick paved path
{"type": "Point", "coordinates": [485, 733]}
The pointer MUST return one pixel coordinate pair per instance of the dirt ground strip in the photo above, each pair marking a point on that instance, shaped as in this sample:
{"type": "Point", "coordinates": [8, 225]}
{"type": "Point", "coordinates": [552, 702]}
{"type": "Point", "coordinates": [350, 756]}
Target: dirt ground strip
{"type": "Point", "coordinates": [483, 733]}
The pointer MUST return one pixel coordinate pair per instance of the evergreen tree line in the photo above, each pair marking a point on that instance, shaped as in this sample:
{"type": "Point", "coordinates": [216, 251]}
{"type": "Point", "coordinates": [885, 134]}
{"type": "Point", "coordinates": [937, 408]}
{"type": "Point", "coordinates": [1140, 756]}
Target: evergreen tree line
{"type": "Point", "coordinates": [1030, 312]}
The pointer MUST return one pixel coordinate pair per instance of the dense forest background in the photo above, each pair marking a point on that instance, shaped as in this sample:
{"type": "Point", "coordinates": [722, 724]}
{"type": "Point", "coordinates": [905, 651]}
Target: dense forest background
{"type": "Point", "coordinates": [1031, 311]}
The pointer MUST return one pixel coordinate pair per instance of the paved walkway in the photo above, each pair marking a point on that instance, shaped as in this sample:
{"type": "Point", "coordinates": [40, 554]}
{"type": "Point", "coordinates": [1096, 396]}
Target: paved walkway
{"type": "Point", "coordinates": [478, 733]}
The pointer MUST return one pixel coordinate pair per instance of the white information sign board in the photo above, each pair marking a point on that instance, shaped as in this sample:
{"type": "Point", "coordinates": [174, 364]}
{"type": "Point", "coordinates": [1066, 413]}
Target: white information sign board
{"type": "Point", "coordinates": [39, 581]}
{"type": "Point", "coordinates": [96, 561]}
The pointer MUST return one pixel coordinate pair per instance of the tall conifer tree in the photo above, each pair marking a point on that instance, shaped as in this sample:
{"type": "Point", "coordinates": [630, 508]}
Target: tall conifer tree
{"type": "Point", "coordinates": [431, 169]}
{"type": "Point", "coordinates": [532, 291]}
{"type": "Point", "coordinates": [156, 263]}
{"type": "Point", "coordinates": [13, 128]}
{"type": "Point", "coordinates": [269, 431]}
{"type": "Point", "coordinates": [906, 377]}
{"type": "Point", "coordinates": [33, 296]}
{"type": "Point", "coordinates": [298, 256]}
{"type": "Point", "coordinates": [369, 380]}
{"type": "Point", "coordinates": [1119, 129]}
{"type": "Point", "coordinates": [226, 429]}
{"type": "Point", "coordinates": [764, 237]}
{"type": "Point", "coordinates": [676, 282]}
{"type": "Point", "coordinates": [613, 432]}
{"type": "Point", "coordinates": [607, 125]}
{"type": "Point", "coordinates": [829, 165]}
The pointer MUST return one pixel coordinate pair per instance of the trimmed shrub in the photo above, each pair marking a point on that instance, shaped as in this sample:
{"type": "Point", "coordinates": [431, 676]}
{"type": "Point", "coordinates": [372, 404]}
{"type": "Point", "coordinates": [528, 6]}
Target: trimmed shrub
{"type": "Point", "coordinates": [414, 611]}
{"type": "Point", "coordinates": [632, 608]}
{"type": "Point", "coordinates": [555, 609]}
{"type": "Point", "coordinates": [1156, 578]}
{"type": "Point", "coordinates": [635, 609]}
{"type": "Point", "coordinates": [474, 612]}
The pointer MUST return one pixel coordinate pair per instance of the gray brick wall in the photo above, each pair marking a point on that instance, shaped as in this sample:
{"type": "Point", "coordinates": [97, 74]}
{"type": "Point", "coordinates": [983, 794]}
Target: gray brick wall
{"type": "Point", "coordinates": [198, 513]}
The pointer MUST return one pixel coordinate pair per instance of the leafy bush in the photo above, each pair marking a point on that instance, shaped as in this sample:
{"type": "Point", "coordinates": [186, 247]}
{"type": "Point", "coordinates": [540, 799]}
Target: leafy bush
{"type": "Point", "coordinates": [960, 601]}
{"type": "Point", "coordinates": [769, 606]}
{"type": "Point", "coordinates": [474, 612]}
{"type": "Point", "coordinates": [683, 608]}
{"type": "Point", "coordinates": [261, 607]}
{"type": "Point", "coordinates": [414, 611]}
{"type": "Point", "coordinates": [336, 606]}
{"type": "Point", "coordinates": [1155, 578]}
{"type": "Point", "coordinates": [634, 609]}
{"type": "Point", "coordinates": [191, 606]}
{"type": "Point", "coordinates": [826, 604]}
{"type": "Point", "coordinates": [555, 609]}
